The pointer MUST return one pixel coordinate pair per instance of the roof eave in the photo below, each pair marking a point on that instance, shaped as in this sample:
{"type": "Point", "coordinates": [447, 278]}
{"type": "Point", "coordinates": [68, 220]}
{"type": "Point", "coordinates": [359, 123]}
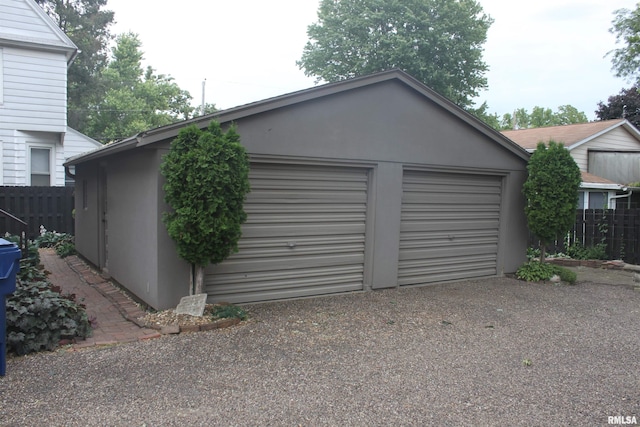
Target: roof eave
{"type": "Point", "coordinates": [105, 150]}
{"type": "Point", "coordinates": [69, 52]}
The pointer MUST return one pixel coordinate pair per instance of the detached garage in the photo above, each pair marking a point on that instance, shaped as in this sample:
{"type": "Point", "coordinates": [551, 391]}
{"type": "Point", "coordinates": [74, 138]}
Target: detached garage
{"type": "Point", "coordinates": [369, 183]}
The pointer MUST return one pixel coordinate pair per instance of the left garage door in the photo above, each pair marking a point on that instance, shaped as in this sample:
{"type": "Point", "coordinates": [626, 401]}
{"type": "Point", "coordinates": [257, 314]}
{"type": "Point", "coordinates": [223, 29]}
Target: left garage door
{"type": "Point", "coordinates": [304, 235]}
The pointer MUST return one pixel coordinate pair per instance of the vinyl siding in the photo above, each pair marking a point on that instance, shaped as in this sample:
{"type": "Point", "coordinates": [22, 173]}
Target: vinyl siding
{"type": "Point", "coordinates": [616, 139]}
{"type": "Point", "coordinates": [76, 143]}
{"type": "Point", "coordinates": [18, 20]}
{"type": "Point", "coordinates": [35, 91]}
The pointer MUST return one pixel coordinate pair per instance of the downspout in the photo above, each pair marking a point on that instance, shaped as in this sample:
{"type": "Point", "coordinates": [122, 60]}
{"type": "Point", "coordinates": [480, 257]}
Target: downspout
{"type": "Point", "coordinates": [68, 173]}
{"type": "Point", "coordinates": [622, 196]}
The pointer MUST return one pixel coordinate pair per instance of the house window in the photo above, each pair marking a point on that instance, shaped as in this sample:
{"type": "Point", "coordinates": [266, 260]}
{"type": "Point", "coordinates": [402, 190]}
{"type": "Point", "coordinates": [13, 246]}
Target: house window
{"type": "Point", "coordinates": [597, 200]}
{"type": "Point", "coordinates": [581, 195]}
{"type": "Point", "coordinates": [40, 167]}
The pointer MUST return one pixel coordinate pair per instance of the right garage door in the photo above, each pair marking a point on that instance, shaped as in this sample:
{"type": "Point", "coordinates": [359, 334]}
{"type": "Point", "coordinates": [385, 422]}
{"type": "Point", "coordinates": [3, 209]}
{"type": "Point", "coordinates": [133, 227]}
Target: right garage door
{"type": "Point", "coordinates": [450, 226]}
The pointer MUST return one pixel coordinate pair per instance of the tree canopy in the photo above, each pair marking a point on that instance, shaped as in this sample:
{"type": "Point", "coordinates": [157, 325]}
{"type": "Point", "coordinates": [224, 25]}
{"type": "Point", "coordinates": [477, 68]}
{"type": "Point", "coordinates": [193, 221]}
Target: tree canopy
{"type": "Point", "coordinates": [87, 25]}
{"type": "Point", "coordinates": [624, 105]}
{"type": "Point", "coordinates": [542, 117]}
{"type": "Point", "coordinates": [551, 192]}
{"type": "Point", "coordinates": [440, 42]}
{"type": "Point", "coordinates": [626, 28]}
{"type": "Point", "coordinates": [207, 179]}
{"type": "Point", "coordinates": [135, 99]}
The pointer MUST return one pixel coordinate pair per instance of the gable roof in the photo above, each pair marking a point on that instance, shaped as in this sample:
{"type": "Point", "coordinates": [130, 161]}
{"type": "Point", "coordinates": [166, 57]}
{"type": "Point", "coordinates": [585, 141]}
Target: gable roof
{"type": "Point", "coordinates": [24, 24]}
{"type": "Point", "coordinates": [571, 136]}
{"type": "Point", "coordinates": [171, 131]}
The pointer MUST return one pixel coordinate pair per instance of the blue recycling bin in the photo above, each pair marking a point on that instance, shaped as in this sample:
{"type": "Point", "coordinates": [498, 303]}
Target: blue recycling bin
{"type": "Point", "coordinates": [9, 266]}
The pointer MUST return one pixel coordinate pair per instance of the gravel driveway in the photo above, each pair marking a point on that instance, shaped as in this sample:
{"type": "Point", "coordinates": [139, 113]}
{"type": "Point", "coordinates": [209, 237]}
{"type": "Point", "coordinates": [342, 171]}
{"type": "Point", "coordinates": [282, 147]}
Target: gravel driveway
{"type": "Point", "coordinates": [488, 352]}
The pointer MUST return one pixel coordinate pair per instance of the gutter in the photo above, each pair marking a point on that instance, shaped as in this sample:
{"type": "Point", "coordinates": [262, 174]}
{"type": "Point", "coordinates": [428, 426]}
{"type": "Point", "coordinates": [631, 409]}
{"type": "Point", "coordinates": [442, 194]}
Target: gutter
{"type": "Point", "coordinates": [622, 196]}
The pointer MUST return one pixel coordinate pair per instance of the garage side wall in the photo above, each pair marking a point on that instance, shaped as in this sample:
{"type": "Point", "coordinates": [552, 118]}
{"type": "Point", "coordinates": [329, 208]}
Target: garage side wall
{"type": "Point", "coordinates": [131, 223]}
{"type": "Point", "coordinates": [86, 211]}
{"type": "Point", "coordinates": [173, 272]}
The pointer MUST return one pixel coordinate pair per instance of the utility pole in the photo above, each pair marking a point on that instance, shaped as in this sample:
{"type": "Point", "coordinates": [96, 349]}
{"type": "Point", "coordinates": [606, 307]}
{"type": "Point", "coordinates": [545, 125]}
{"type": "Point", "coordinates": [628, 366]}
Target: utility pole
{"type": "Point", "coordinates": [202, 105]}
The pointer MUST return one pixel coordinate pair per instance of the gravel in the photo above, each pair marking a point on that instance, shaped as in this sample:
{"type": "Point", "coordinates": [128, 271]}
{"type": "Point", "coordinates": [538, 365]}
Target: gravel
{"type": "Point", "coordinates": [487, 352]}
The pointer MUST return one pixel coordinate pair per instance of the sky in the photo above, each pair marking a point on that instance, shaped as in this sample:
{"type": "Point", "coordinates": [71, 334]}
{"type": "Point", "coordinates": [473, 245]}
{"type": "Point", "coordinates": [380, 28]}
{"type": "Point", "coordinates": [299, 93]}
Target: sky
{"type": "Point", "coordinates": [545, 53]}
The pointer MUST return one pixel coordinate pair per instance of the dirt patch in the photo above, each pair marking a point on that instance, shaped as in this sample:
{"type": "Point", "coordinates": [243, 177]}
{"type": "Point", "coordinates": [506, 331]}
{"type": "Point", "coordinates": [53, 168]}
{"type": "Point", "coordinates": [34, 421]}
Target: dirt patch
{"type": "Point", "coordinates": [624, 277]}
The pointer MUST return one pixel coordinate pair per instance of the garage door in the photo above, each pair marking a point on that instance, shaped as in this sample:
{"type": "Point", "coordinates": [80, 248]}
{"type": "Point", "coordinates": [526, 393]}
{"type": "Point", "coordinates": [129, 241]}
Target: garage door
{"type": "Point", "coordinates": [449, 228]}
{"type": "Point", "coordinates": [304, 235]}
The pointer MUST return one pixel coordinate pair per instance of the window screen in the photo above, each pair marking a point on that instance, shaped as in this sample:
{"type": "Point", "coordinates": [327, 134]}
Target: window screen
{"type": "Point", "coordinates": [40, 167]}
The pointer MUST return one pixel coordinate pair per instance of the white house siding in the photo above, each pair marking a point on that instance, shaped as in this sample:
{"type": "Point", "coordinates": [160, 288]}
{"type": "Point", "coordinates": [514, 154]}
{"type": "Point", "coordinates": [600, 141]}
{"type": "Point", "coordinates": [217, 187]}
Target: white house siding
{"type": "Point", "coordinates": [35, 91]}
{"type": "Point", "coordinates": [20, 20]}
{"type": "Point", "coordinates": [617, 139]}
{"type": "Point", "coordinates": [33, 104]}
{"type": "Point", "coordinates": [76, 143]}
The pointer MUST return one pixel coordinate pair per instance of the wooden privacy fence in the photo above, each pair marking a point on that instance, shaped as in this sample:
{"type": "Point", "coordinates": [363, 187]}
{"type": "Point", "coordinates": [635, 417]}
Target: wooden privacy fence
{"type": "Point", "coordinates": [51, 207]}
{"type": "Point", "coordinates": [618, 230]}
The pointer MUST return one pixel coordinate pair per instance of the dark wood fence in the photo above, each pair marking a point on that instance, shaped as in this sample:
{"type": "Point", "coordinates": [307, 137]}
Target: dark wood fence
{"type": "Point", "coordinates": [51, 207]}
{"type": "Point", "coordinates": [618, 229]}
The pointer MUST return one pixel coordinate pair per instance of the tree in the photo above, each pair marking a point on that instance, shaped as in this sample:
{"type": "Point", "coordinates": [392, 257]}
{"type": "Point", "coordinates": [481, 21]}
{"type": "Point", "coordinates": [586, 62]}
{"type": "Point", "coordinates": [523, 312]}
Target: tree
{"type": "Point", "coordinates": [135, 99]}
{"type": "Point", "coordinates": [624, 105]}
{"type": "Point", "coordinates": [542, 117]}
{"type": "Point", "coordinates": [87, 25]}
{"type": "Point", "coordinates": [207, 179]}
{"type": "Point", "coordinates": [437, 41]}
{"type": "Point", "coordinates": [551, 192]}
{"type": "Point", "coordinates": [626, 27]}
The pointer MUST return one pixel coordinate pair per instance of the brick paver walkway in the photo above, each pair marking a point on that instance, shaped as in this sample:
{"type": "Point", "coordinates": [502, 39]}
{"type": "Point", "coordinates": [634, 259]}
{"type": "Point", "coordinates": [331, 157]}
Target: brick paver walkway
{"type": "Point", "coordinates": [113, 313]}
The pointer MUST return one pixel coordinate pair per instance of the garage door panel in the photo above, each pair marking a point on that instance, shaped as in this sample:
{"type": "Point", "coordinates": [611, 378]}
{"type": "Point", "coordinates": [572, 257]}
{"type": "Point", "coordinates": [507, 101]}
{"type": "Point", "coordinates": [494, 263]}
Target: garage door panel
{"type": "Point", "coordinates": [451, 200]}
{"type": "Point", "coordinates": [307, 229]}
{"type": "Point", "coordinates": [447, 252]}
{"type": "Point", "coordinates": [449, 228]}
{"type": "Point", "coordinates": [247, 282]}
{"type": "Point", "coordinates": [283, 263]}
{"type": "Point", "coordinates": [304, 235]}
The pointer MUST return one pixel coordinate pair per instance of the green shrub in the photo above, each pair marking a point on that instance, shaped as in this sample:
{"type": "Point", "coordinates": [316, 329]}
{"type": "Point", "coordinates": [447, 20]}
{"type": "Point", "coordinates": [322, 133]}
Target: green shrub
{"type": "Point", "coordinates": [533, 253]}
{"type": "Point", "coordinates": [535, 271]}
{"type": "Point", "coordinates": [65, 249]}
{"type": "Point", "coordinates": [565, 275]}
{"type": "Point", "coordinates": [63, 243]}
{"type": "Point", "coordinates": [229, 311]}
{"type": "Point", "coordinates": [38, 317]}
{"type": "Point", "coordinates": [577, 251]}
{"type": "Point", "coordinates": [32, 257]}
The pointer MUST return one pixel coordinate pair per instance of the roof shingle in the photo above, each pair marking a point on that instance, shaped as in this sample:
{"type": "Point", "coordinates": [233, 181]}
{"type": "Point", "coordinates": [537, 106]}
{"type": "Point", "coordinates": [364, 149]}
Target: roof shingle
{"type": "Point", "coordinates": [567, 135]}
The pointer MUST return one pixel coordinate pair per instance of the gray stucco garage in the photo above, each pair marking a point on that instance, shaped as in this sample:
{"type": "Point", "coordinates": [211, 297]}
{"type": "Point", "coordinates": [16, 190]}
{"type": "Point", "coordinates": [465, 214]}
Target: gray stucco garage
{"type": "Point", "coordinates": [364, 184]}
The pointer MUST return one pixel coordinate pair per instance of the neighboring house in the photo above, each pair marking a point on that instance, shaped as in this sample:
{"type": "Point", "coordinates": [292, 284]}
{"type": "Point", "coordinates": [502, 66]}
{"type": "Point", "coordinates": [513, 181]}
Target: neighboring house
{"type": "Point", "coordinates": [368, 183]}
{"type": "Point", "coordinates": [34, 137]}
{"type": "Point", "coordinates": [607, 153]}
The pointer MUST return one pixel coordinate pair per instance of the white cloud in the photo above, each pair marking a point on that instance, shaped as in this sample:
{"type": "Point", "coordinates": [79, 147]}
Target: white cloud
{"type": "Point", "coordinates": [546, 53]}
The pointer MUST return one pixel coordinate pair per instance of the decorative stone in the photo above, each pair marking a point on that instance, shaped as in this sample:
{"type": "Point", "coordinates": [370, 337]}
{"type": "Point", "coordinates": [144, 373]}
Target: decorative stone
{"type": "Point", "coordinates": [208, 326]}
{"type": "Point", "coordinates": [225, 323]}
{"type": "Point", "coordinates": [170, 329]}
{"type": "Point", "coordinates": [192, 305]}
{"type": "Point", "coordinates": [189, 328]}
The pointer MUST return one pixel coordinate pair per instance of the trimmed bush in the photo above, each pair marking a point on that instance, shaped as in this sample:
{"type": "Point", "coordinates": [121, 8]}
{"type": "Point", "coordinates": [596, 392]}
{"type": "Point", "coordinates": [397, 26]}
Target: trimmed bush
{"type": "Point", "coordinates": [536, 271]}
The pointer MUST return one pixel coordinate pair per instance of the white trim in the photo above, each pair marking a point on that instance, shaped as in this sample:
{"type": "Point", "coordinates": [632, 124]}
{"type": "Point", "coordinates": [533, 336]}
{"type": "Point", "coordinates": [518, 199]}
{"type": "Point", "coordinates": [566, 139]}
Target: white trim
{"type": "Point", "coordinates": [600, 186]}
{"type": "Point", "coordinates": [52, 163]}
{"type": "Point", "coordinates": [624, 123]}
